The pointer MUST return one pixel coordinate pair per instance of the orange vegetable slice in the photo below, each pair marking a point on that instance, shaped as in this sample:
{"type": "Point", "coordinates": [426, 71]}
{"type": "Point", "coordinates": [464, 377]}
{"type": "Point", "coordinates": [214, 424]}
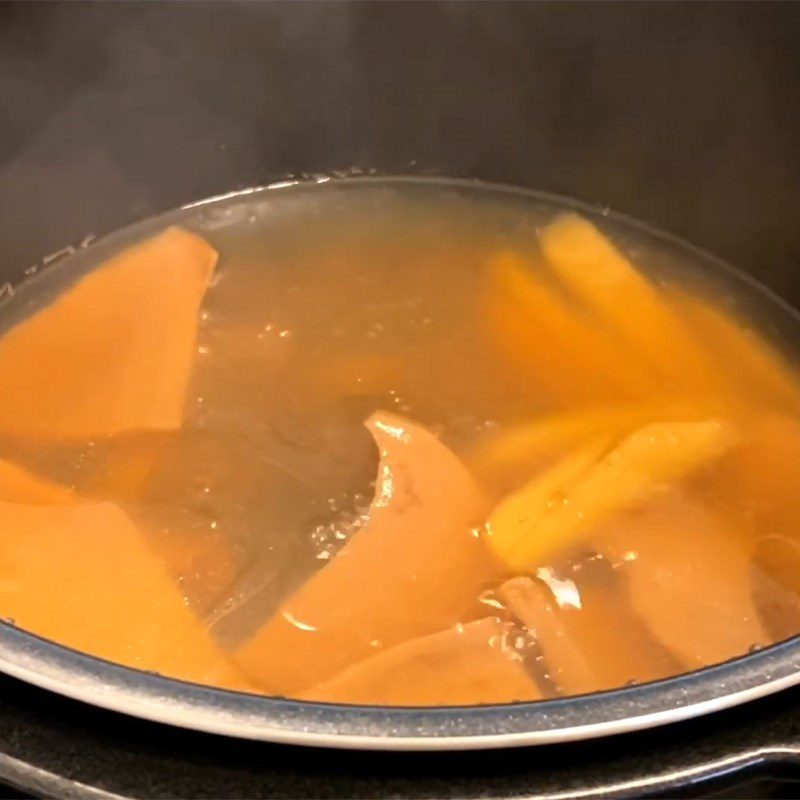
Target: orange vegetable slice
{"type": "Point", "coordinates": [559, 508]}
{"type": "Point", "coordinates": [410, 571]}
{"type": "Point", "coordinates": [776, 584]}
{"type": "Point", "coordinates": [570, 357]}
{"type": "Point", "coordinates": [627, 304]}
{"type": "Point", "coordinates": [465, 665]}
{"type": "Point", "coordinates": [114, 352]}
{"type": "Point", "coordinates": [82, 576]}
{"type": "Point", "coordinates": [20, 486]}
{"type": "Point", "coordinates": [126, 472]}
{"type": "Point", "coordinates": [596, 646]}
{"type": "Point", "coordinates": [758, 478]}
{"type": "Point", "coordinates": [502, 457]}
{"type": "Point", "coordinates": [518, 517]}
{"type": "Point", "coordinates": [535, 607]}
{"type": "Point", "coordinates": [689, 580]}
{"type": "Point", "coordinates": [758, 369]}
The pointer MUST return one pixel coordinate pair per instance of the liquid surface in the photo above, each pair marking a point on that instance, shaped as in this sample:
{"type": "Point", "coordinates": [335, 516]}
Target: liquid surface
{"type": "Point", "coordinates": [404, 442]}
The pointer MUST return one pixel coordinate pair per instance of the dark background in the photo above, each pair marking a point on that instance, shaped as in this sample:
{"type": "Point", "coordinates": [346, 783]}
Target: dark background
{"type": "Point", "coordinates": [682, 114]}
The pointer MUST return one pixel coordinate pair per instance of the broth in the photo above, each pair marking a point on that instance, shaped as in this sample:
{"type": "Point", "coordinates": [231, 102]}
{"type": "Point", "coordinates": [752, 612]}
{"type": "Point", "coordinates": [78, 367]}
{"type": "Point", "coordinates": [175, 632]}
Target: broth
{"type": "Point", "coordinates": [406, 442]}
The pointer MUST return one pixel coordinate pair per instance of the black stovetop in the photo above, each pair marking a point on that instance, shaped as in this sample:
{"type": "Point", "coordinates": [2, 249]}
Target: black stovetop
{"type": "Point", "coordinates": [50, 746]}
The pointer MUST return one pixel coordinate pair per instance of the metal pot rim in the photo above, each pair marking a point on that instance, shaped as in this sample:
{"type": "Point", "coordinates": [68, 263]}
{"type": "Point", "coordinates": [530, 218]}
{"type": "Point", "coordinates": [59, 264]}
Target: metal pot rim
{"type": "Point", "coordinates": [153, 697]}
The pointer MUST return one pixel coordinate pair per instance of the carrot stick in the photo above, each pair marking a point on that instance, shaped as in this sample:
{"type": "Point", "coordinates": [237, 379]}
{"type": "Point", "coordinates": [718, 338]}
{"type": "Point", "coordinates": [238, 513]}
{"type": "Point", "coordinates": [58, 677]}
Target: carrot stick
{"type": "Point", "coordinates": [518, 516]}
{"type": "Point", "coordinates": [571, 357]}
{"type": "Point", "coordinates": [522, 449]}
{"type": "Point", "coordinates": [558, 510]}
{"type": "Point", "coordinates": [628, 304]}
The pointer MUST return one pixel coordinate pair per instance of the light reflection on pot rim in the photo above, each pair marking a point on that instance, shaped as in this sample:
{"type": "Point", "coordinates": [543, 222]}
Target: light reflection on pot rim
{"type": "Point", "coordinates": [152, 697]}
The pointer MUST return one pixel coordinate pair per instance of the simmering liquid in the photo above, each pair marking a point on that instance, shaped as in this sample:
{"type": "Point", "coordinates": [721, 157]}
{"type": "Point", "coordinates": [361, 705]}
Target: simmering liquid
{"type": "Point", "coordinates": [399, 442]}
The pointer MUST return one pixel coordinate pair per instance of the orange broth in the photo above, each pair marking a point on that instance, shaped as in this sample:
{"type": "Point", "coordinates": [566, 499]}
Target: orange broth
{"type": "Point", "coordinates": [399, 442]}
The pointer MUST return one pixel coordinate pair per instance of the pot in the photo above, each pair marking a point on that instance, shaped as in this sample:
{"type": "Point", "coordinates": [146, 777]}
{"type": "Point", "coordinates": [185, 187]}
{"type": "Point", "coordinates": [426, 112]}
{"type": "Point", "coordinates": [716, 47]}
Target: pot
{"type": "Point", "coordinates": [682, 115]}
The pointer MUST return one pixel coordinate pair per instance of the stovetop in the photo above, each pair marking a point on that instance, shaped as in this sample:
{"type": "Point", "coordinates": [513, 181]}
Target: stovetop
{"type": "Point", "coordinates": [51, 746]}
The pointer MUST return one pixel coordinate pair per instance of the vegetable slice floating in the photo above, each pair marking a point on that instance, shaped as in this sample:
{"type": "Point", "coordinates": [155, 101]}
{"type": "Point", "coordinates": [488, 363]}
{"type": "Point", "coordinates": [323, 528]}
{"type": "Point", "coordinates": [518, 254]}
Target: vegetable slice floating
{"type": "Point", "coordinates": [562, 509]}
{"type": "Point", "coordinates": [411, 571]}
{"type": "Point", "coordinates": [627, 303]}
{"type": "Point", "coordinates": [465, 665]}
{"type": "Point", "coordinates": [113, 352]}
{"type": "Point", "coordinates": [80, 574]}
{"type": "Point", "coordinates": [689, 581]}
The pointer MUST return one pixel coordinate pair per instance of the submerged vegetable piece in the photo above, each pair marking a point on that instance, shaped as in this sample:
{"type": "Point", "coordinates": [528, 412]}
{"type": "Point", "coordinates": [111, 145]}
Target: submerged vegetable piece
{"type": "Point", "coordinates": [627, 303]}
{"type": "Point", "coordinates": [465, 665]}
{"type": "Point", "coordinates": [113, 352]}
{"type": "Point", "coordinates": [410, 571]}
{"type": "Point", "coordinates": [127, 470]}
{"type": "Point", "coordinates": [503, 457]}
{"type": "Point", "coordinates": [567, 354]}
{"type": "Point", "coordinates": [564, 509]}
{"type": "Point", "coordinates": [757, 368]}
{"type": "Point", "coordinates": [591, 643]}
{"type": "Point", "coordinates": [82, 576]}
{"type": "Point", "coordinates": [776, 585]}
{"type": "Point", "coordinates": [519, 515]}
{"type": "Point", "coordinates": [759, 478]}
{"type": "Point", "coordinates": [20, 486]}
{"type": "Point", "coordinates": [689, 581]}
{"type": "Point", "coordinates": [535, 607]}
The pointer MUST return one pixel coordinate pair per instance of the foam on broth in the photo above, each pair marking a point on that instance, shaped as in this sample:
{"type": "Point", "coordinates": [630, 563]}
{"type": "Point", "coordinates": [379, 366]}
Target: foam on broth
{"type": "Point", "coordinates": [331, 302]}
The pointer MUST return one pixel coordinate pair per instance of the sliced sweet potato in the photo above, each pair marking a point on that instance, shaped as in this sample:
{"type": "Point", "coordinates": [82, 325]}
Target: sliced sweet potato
{"type": "Point", "coordinates": [563, 509]}
{"type": "Point", "coordinates": [755, 486]}
{"type": "Point", "coordinates": [465, 665]}
{"type": "Point", "coordinates": [628, 304]}
{"type": "Point", "coordinates": [503, 457]}
{"type": "Point", "coordinates": [689, 580]}
{"type": "Point", "coordinates": [591, 648]}
{"type": "Point", "coordinates": [557, 509]}
{"type": "Point", "coordinates": [566, 353]}
{"type": "Point", "coordinates": [82, 576]}
{"type": "Point", "coordinates": [758, 369]}
{"type": "Point", "coordinates": [758, 477]}
{"type": "Point", "coordinates": [409, 572]}
{"type": "Point", "coordinates": [113, 352]}
{"type": "Point", "coordinates": [776, 585]}
{"type": "Point", "coordinates": [519, 516]}
{"type": "Point", "coordinates": [125, 469]}
{"type": "Point", "coordinates": [20, 486]}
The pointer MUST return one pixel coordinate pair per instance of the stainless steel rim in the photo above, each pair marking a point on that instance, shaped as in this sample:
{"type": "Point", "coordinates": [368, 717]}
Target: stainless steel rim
{"type": "Point", "coordinates": [148, 696]}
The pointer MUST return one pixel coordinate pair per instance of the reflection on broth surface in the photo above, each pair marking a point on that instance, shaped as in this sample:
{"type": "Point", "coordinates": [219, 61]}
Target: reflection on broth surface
{"type": "Point", "coordinates": [399, 442]}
